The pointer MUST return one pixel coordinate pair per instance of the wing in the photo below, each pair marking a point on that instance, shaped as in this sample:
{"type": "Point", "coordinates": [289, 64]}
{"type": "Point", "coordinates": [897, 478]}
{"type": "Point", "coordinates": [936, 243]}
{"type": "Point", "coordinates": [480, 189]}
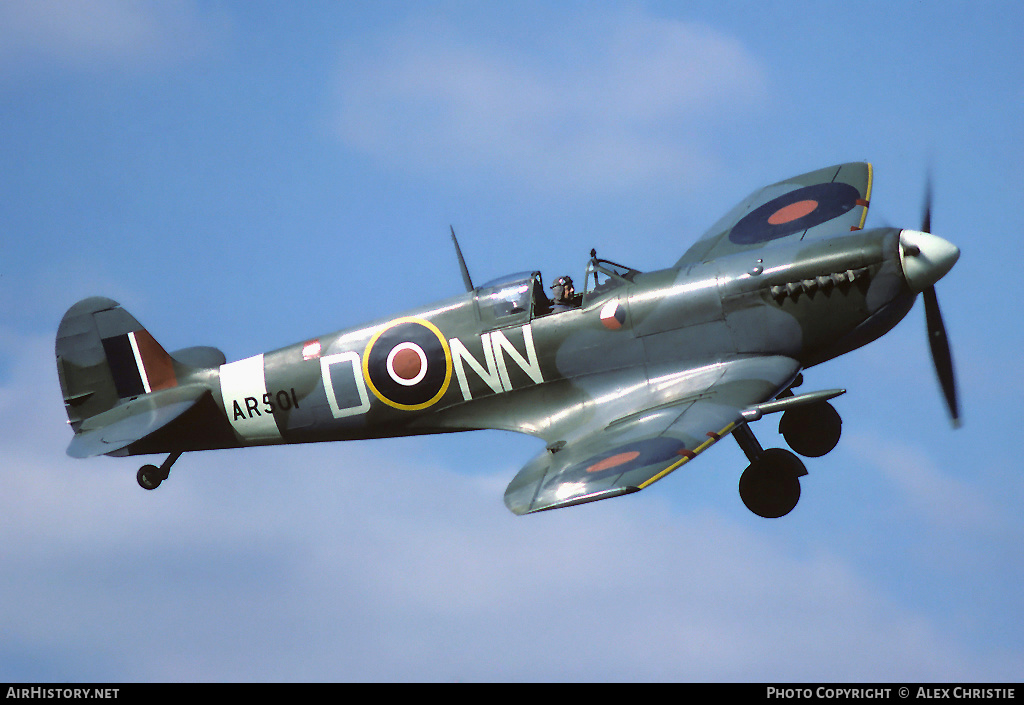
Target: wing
{"type": "Point", "coordinates": [824, 201]}
{"type": "Point", "coordinates": [132, 421]}
{"type": "Point", "coordinates": [628, 453]}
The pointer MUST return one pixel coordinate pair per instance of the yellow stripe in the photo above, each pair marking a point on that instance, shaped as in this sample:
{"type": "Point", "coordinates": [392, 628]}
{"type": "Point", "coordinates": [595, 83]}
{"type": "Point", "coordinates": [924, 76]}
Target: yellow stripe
{"type": "Point", "coordinates": [696, 451]}
{"type": "Point", "coordinates": [867, 197]}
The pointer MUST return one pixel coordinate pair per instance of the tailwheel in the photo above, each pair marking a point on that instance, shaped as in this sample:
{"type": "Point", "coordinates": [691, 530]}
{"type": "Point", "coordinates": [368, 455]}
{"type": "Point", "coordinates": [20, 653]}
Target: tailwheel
{"type": "Point", "coordinates": [770, 486]}
{"type": "Point", "coordinates": [150, 477]}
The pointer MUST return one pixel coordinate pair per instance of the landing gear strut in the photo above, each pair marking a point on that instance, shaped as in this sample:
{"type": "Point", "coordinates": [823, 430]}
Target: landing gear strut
{"type": "Point", "coordinates": [770, 486]}
{"type": "Point", "coordinates": [150, 476]}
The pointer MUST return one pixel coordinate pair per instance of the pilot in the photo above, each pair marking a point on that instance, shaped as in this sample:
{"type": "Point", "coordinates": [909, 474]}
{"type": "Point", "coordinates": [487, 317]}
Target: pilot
{"type": "Point", "coordinates": [564, 293]}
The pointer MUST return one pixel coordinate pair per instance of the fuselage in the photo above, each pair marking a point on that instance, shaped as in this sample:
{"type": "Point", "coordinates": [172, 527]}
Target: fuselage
{"type": "Point", "coordinates": [458, 364]}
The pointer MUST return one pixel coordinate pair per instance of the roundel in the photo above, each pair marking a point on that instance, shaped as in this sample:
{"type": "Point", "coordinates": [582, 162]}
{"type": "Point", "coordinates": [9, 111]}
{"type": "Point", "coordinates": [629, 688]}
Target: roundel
{"type": "Point", "coordinates": [624, 458]}
{"type": "Point", "coordinates": [797, 210]}
{"type": "Point", "coordinates": [408, 365]}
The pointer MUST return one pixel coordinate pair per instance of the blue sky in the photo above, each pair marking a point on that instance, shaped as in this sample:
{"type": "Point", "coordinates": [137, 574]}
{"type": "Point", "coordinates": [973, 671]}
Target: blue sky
{"type": "Point", "coordinates": [248, 175]}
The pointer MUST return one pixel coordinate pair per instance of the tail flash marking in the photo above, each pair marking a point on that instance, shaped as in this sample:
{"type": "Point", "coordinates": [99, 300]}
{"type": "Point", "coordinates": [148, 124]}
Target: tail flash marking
{"type": "Point", "coordinates": [138, 361]}
{"type": "Point", "coordinates": [138, 364]}
{"type": "Point", "coordinates": [154, 363]}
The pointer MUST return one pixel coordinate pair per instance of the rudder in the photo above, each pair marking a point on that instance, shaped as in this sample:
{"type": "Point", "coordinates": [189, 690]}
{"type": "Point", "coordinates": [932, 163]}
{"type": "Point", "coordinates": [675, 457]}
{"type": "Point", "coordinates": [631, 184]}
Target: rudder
{"type": "Point", "coordinates": [104, 355]}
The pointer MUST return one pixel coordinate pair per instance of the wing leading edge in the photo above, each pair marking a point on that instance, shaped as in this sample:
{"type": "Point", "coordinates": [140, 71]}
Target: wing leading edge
{"type": "Point", "coordinates": [816, 203]}
{"type": "Point", "coordinates": [630, 453]}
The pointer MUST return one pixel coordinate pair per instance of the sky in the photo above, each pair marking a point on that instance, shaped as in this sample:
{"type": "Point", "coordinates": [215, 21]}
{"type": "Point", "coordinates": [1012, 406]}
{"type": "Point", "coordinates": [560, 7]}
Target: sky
{"type": "Point", "coordinates": [249, 175]}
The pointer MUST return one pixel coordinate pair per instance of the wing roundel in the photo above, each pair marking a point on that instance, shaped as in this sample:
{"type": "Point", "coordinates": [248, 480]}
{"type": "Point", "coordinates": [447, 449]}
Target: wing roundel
{"type": "Point", "coordinates": [820, 202]}
{"type": "Point", "coordinates": [800, 209]}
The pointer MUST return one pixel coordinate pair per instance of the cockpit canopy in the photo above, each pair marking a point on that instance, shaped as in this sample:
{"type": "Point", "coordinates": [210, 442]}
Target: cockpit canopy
{"type": "Point", "coordinates": [515, 298]}
{"type": "Point", "coordinates": [509, 299]}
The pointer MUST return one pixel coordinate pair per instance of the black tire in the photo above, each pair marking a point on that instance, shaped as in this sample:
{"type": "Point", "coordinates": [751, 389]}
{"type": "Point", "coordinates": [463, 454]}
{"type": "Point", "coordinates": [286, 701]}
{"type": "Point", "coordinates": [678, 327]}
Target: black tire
{"type": "Point", "coordinates": [149, 477]}
{"type": "Point", "coordinates": [770, 487]}
{"type": "Point", "coordinates": [812, 430]}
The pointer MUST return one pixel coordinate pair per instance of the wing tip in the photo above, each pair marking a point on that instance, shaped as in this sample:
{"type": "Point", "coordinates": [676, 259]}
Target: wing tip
{"type": "Point", "coordinates": [521, 510]}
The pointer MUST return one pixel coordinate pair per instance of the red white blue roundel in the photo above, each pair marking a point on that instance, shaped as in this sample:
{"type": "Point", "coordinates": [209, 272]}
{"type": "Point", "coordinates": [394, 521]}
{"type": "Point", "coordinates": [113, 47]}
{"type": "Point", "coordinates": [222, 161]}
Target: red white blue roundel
{"type": "Point", "coordinates": [408, 365]}
{"type": "Point", "coordinates": [797, 210]}
{"type": "Point", "coordinates": [631, 456]}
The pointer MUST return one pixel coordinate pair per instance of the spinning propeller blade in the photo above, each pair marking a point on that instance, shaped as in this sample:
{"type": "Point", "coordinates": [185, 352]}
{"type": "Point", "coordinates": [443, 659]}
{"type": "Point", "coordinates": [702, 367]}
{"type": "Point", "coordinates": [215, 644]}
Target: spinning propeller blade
{"type": "Point", "coordinates": [941, 355]}
{"type": "Point", "coordinates": [926, 215]}
{"type": "Point", "coordinates": [940, 260]}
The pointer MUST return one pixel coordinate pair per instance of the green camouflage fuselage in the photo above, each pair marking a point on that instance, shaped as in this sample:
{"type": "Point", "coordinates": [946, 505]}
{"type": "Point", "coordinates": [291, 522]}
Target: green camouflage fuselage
{"type": "Point", "coordinates": [458, 365]}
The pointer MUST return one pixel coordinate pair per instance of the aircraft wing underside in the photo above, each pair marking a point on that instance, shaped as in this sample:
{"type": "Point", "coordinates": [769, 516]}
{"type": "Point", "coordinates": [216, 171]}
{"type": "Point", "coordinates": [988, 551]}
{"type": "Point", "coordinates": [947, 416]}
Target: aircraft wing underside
{"type": "Point", "coordinates": [820, 202]}
{"type": "Point", "coordinates": [628, 453]}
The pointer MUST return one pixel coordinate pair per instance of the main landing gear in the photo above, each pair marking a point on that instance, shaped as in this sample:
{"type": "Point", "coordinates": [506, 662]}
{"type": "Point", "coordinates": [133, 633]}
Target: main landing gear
{"type": "Point", "coordinates": [770, 486]}
{"type": "Point", "coordinates": [812, 430]}
{"type": "Point", "coordinates": [150, 476]}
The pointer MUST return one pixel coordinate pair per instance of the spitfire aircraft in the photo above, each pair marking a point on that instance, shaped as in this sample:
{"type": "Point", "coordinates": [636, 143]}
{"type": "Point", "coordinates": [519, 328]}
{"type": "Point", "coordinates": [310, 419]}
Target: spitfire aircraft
{"type": "Point", "coordinates": [625, 381]}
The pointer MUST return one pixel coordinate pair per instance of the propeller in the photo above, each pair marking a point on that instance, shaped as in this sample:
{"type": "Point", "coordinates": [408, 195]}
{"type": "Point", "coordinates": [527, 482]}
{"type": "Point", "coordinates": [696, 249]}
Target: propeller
{"type": "Point", "coordinates": [941, 355]}
{"type": "Point", "coordinates": [926, 259]}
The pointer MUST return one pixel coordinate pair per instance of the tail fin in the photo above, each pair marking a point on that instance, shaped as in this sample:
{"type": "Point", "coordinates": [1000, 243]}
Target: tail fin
{"type": "Point", "coordinates": [104, 355]}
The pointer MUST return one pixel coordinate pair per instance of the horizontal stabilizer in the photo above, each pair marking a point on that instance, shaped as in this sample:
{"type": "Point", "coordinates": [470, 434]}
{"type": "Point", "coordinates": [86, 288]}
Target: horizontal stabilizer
{"type": "Point", "coordinates": [127, 423]}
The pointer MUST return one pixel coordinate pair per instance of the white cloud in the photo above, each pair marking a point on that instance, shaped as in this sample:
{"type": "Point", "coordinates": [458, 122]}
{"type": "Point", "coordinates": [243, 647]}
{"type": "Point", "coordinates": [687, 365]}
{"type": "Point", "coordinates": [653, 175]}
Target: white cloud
{"type": "Point", "coordinates": [942, 500]}
{"type": "Point", "coordinates": [371, 561]}
{"type": "Point", "coordinates": [100, 33]}
{"type": "Point", "coordinates": [625, 99]}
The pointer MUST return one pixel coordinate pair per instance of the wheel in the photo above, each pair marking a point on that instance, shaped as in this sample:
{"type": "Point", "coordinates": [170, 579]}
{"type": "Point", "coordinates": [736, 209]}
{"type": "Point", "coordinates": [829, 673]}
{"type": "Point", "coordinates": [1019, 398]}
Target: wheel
{"type": "Point", "coordinates": [770, 487]}
{"type": "Point", "coordinates": [812, 430]}
{"type": "Point", "coordinates": [149, 477]}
